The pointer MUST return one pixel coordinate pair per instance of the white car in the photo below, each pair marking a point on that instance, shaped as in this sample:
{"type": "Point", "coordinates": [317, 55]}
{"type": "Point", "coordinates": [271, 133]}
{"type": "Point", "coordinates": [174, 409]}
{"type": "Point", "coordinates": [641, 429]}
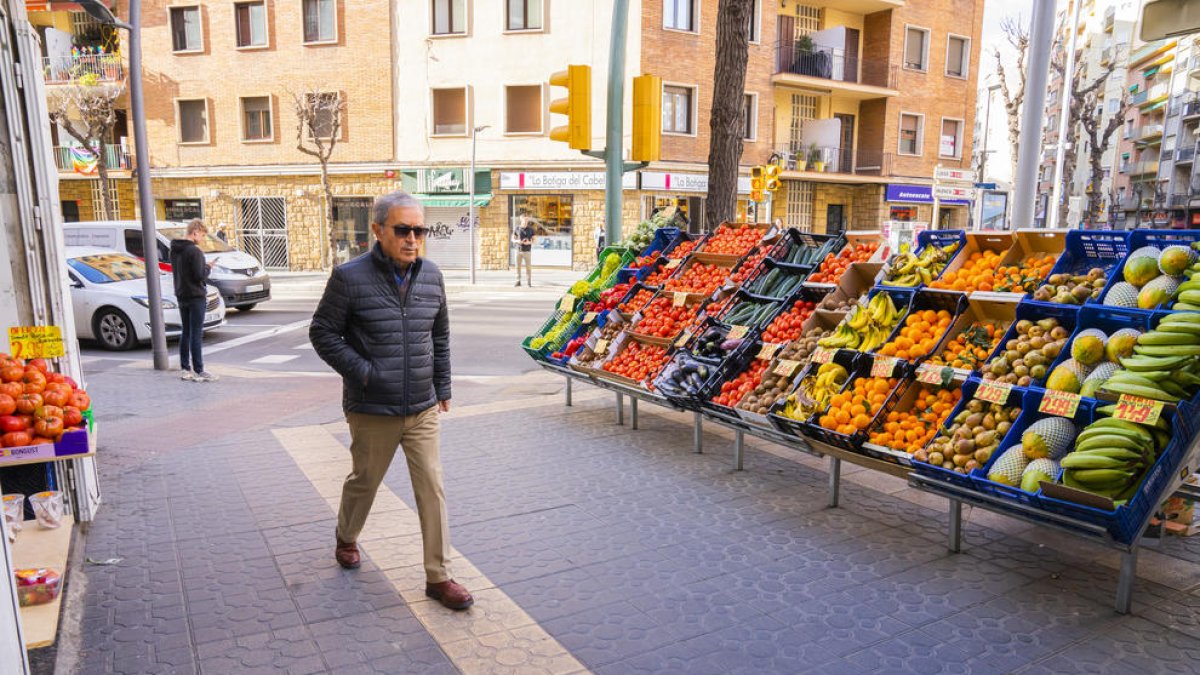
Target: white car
{"type": "Point", "coordinates": [108, 292]}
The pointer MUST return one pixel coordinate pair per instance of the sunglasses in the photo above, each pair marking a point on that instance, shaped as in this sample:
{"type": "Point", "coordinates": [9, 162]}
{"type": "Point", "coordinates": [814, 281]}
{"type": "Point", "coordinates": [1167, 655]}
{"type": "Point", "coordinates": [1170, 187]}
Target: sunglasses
{"type": "Point", "coordinates": [402, 231]}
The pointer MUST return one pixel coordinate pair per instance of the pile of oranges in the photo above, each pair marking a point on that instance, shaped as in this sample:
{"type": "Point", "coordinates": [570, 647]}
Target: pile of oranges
{"type": "Point", "coordinates": [730, 240]}
{"type": "Point", "coordinates": [971, 347]}
{"type": "Point", "coordinates": [852, 410]}
{"type": "Point", "coordinates": [912, 429]}
{"type": "Point", "coordinates": [1026, 277]}
{"type": "Point", "coordinates": [833, 267]}
{"type": "Point", "coordinates": [977, 274]}
{"type": "Point", "coordinates": [734, 390]}
{"type": "Point", "coordinates": [698, 278]}
{"type": "Point", "coordinates": [920, 334]}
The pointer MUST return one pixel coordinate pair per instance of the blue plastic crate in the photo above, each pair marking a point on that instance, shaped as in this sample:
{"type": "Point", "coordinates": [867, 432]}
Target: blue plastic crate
{"type": "Point", "coordinates": [1157, 238]}
{"type": "Point", "coordinates": [940, 238]}
{"type": "Point", "coordinates": [1085, 249]}
{"type": "Point", "coordinates": [1066, 315]}
{"type": "Point", "coordinates": [1107, 319]}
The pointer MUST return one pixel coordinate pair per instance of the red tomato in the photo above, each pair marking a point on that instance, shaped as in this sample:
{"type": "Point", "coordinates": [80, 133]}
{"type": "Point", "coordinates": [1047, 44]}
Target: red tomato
{"type": "Point", "coordinates": [12, 373]}
{"type": "Point", "coordinates": [48, 427]}
{"type": "Point", "coordinates": [72, 416]}
{"type": "Point", "coordinates": [39, 364]}
{"type": "Point", "coordinates": [29, 402]}
{"type": "Point", "coordinates": [12, 423]}
{"type": "Point", "coordinates": [14, 439]}
{"type": "Point", "coordinates": [8, 405]}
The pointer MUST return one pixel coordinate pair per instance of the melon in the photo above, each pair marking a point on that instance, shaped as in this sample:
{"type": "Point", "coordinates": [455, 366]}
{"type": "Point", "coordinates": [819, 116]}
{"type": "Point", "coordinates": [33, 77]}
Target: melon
{"type": "Point", "coordinates": [1141, 271]}
{"type": "Point", "coordinates": [1037, 471]}
{"type": "Point", "coordinates": [1146, 251]}
{"type": "Point", "coordinates": [1122, 294]}
{"type": "Point", "coordinates": [1121, 343]}
{"type": "Point", "coordinates": [1175, 260]}
{"type": "Point", "coordinates": [1088, 347]}
{"type": "Point", "coordinates": [1097, 378]}
{"type": "Point", "coordinates": [1157, 292]}
{"type": "Point", "coordinates": [1048, 437]}
{"type": "Point", "coordinates": [1009, 466]}
{"type": "Point", "coordinates": [1068, 376]}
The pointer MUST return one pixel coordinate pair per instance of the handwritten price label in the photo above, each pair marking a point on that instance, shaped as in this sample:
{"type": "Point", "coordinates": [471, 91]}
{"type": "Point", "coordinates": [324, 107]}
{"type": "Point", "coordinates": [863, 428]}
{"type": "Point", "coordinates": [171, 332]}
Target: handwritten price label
{"type": "Point", "coordinates": [738, 332]}
{"type": "Point", "coordinates": [590, 317]}
{"type": "Point", "coordinates": [683, 338]}
{"type": "Point", "coordinates": [883, 366]}
{"type": "Point", "coordinates": [567, 304]}
{"type": "Point", "coordinates": [767, 351]}
{"type": "Point", "coordinates": [993, 392]}
{"type": "Point", "coordinates": [680, 299]}
{"type": "Point", "coordinates": [786, 368]}
{"type": "Point", "coordinates": [33, 342]}
{"type": "Point", "coordinates": [1061, 403]}
{"type": "Point", "coordinates": [601, 347]}
{"type": "Point", "coordinates": [673, 263]}
{"type": "Point", "coordinates": [936, 375]}
{"type": "Point", "coordinates": [822, 355]}
{"type": "Point", "coordinates": [1138, 410]}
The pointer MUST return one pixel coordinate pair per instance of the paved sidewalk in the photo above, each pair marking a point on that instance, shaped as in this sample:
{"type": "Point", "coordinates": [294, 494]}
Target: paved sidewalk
{"type": "Point", "coordinates": [588, 545]}
{"type": "Point", "coordinates": [554, 280]}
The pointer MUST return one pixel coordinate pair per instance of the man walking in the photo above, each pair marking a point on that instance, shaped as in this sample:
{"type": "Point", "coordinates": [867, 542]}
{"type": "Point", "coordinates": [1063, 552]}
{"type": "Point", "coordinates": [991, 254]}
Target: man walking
{"type": "Point", "coordinates": [382, 324]}
{"type": "Point", "coordinates": [524, 242]}
{"type": "Point", "coordinates": [190, 273]}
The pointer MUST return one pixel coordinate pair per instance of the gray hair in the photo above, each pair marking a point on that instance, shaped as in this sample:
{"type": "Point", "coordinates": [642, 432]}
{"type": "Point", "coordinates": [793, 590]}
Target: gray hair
{"type": "Point", "coordinates": [393, 200]}
{"type": "Point", "coordinates": [196, 225]}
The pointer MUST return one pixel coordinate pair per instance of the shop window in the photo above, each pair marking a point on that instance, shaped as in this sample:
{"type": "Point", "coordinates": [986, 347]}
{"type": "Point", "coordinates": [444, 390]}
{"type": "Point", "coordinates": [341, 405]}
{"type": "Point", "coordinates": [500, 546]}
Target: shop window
{"type": "Point", "coordinates": [449, 17]}
{"type": "Point", "coordinates": [749, 117]}
{"type": "Point", "coordinates": [251, 20]}
{"type": "Point", "coordinates": [916, 48]}
{"type": "Point", "coordinates": [524, 15]}
{"type": "Point", "coordinates": [950, 143]}
{"type": "Point", "coordinates": [320, 20]}
{"type": "Point", "coordinates": [256, 119]}
{"type": "Point", "coordinates": [552, 219]}
{"type": "Point", "coordinates": [193, 120]}
{"type": "Point", "coordinates": [958, 55]}
{"type": "Point", "coordinates": [911, 133]}
{"type": "Point", "coordinates": [523, 109]}
{"type": "Point", "coordinates": [677, 110]}
{"type": "Point", "coordinates": [450, 112]}
{"type": "Point", "coordinates": [185, 29]}
{"type": "Point", "coordinates": [679, 15]}
{"type": "Point", "coordinates": [351, 227]}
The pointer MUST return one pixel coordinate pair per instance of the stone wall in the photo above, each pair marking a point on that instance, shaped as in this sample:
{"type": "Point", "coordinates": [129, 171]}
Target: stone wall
{"type": "Point", "coordinates": [79, 190]}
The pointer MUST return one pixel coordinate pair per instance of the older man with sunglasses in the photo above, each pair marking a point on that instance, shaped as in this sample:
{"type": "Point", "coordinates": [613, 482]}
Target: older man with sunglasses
{"type": "Point", "coordinates": [382, 324]}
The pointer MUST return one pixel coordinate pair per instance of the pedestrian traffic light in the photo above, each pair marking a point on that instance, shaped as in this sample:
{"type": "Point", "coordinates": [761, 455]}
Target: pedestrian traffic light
{"type": "Point", "coordinates": [577, 106]}
{"type": "Point", "coordinates": [757, 182]}
{"type": "Point", "coordinates": [772, 178]}
{"type": "Point", "coordinates": [647, 119]}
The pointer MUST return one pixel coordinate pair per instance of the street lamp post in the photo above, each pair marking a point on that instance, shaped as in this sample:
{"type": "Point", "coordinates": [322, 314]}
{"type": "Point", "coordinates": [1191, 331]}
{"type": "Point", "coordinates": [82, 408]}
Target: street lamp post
{"type": "Point", "coordinates": [471, 199]}
{"type": "Point", "coordinates": [98, 11]}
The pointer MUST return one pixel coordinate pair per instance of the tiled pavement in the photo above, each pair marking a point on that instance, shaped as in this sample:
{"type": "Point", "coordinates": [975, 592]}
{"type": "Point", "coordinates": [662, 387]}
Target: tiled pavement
{"type": "Point", "coordinates": [592, 546]}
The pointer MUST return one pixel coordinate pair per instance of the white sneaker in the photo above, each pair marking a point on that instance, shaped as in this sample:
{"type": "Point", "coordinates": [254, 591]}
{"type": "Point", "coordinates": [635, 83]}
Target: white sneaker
{"type": "Point", "coordinates": [187, 376]}
{"type": "Point", "coordinates": [205, 376]}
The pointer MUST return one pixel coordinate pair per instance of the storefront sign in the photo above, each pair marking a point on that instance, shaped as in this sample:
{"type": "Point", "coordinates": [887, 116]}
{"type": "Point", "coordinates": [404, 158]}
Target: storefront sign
{"type": "Point", "coordinates": [32, 342]}
{"type": "Point", "coordinates": [684, 182]}
{"type": "Point", "coordinates": [562, 180]}
{"type": "Point", "coordinates": [916, 194]}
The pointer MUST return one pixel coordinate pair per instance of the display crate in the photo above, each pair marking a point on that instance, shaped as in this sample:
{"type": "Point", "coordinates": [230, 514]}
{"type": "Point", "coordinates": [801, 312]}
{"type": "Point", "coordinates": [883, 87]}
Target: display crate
{"type": "Point", "coordinates": [847, 359]}
{"type": "Point", "coordinates": [803, 249]}
{"type": "Point", "coordinates": [1066, 315]}
{"type": "Point", "coordinates": [954, 303]}
{"type": "Point", "coordinates": [822, 319]}
{"type": "Point", "coordinates": [1107, 319]}
{"type": "Point", "coordinates": [682, 398]}
{"type": "Point", "coordinates": [691, 302]}
{"type": "Point", "coordinates": [1086, 249]}
{"type": "Point", "coordinates": [75, 442]}
{"type": "Point", "coordinates": [611, 320]}
{"type": "Point", "coordinates": [1030, 243]}
{"type": "Point", "coordinates": [621, 343]}
{"type": "Point", "coordinates": [1159, 239]}
{"type": "Point", "coordinates": [978, 310]}
{"type": "Point", "coordinates": [540, 353]}
{"type": "Point", "coordinates": [628, 307]}
{"type": "Point", "coordinates": [671, 284]}
{"type": "Point", "coordinates": [764, 229]}
{"type": "Point", "coordinates": [730, 369]}
{"type": "Point", "coordinates": [678, 250]}
{"type": "Point", "coordinates": [583, 329]}
{"type": "Point", "coordinates": [904, 403]}
{"type": "Point", "coordinates": [740, 298]}
{"type": "Point", "coordinates": [853, 442]}
{"type": "Point", "coordinates": [772, 270]}
{"type": "Point", "coordinates": [855, 237]}
{"type": "Point", "coordinates": [858, 279]}
{"type": "Point", "coordinates": [977, 242]}
{"type": "Point", "coordinates": [927, 238]}
{"type": "Point", "coordinates": [593, 278]}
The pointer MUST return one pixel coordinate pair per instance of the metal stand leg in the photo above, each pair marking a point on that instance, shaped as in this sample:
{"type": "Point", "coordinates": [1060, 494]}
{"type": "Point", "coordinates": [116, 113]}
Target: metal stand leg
{"type": "Point", "coordinates": [739, 447]}
{"type": "Point", "coordinates": [569, 383]}
{"type": "Point", "coordinates": [698, 433]}
{"type": "Point", "coordinates": [620, 409]}
{"type": "Point", "coordinates": [955, 542]}
{"type": "Point", "coordinates": [835, 481]}
{"type": "Point", "coordinates": [633, 405]}
{"type": "Point", "coordinates": [1125, 581]}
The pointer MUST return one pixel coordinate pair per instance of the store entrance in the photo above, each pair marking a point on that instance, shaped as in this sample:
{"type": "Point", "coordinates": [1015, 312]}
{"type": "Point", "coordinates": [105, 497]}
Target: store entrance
{"type": "Point", "coordinates": [351, 232]}
{"type": "Point", "coordinates": [552, 220]}
{"type": "Point", "coordinates": [691, 208]}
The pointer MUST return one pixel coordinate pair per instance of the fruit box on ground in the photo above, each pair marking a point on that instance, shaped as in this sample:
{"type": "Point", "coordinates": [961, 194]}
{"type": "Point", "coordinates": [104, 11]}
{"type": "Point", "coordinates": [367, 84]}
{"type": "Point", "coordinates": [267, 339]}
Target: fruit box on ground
{"type": "Point", "coordinates": [72, 443]}
{"type": "Point", "coordinates": [802, 249]}
{"type": "Point", "coordinates": [978, 311]}
{"type": "Point", "coordinates": [1109, 320]}
{"type": "Point", "coordinates": [1087, 249]}
{"type": "Point", "coordinates": [1066, 315]}
{"type": "Point", "coordinates": [847, 359]}
{"type": "Point", "coordinates": [1180, 516]}
{"type": "Point", "coordinates": [1160, 239]}
{"type": "Point", "coordinates": [1034, 243]}
{"type": "Point", "coordinates": [977, 242]}
{"type": "Point", "coordinates": [925, 240]}
{"type": "Point", "coordinates": [907, 398]}
{"type": "Point", "coordinates": [901, 372]}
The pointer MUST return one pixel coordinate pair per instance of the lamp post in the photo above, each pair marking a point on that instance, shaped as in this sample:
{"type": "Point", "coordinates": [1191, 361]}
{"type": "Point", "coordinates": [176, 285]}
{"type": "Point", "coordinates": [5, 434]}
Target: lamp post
{"type": "Point", "coordinates": [471, 200]}
{"type": "Point", "coordinates": [99, 12]}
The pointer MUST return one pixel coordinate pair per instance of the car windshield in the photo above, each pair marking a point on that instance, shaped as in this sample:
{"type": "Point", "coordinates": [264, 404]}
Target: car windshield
{"type": "Point", "coordinates": [108, 267]}
{"type": "Point", "coordinates": [209, 244]}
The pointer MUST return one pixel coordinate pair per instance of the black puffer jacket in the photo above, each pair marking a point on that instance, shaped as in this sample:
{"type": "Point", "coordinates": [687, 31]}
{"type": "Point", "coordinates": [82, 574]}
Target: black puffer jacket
{"type": "Point", "coordinates": [392, 350]}
{"type": "Point", "coordinates": [188, 269]}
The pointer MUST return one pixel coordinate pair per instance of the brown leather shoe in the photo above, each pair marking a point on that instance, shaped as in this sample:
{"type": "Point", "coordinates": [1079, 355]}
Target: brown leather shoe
{"type": "Point", "coordinates": [347, 554]}
{"type": "Point", "coordinates": [451, 594]}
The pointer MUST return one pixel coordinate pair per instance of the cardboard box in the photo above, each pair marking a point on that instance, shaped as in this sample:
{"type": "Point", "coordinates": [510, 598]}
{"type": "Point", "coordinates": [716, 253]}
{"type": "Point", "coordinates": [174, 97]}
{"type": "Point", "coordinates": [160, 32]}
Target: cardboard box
{"type": "Point", "coordinates": [998, 242]}
{"type": "Point", "coordinates": [979, 309]}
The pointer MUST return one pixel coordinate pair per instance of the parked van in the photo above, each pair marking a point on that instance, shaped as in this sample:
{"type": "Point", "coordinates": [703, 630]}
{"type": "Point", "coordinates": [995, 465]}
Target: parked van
{"type": "Point", "coordinates": [237, 275]}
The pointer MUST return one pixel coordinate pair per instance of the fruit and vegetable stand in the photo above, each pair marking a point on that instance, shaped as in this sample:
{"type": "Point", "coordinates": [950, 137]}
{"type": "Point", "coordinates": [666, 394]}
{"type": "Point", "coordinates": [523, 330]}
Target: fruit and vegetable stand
{"type": "Point", "coordinates": [1049, 376]}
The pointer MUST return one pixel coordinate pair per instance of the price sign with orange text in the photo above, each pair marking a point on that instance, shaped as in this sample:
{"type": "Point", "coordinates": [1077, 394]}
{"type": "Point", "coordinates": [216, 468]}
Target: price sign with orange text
{"type": "Point", "coordinates": [738, 332]}
{"type": "Point", "coordinates": [936, 375]}
{"type": "Point", "coordinates": [680, 299]}
{"type": "Point", "coordinates": [767, 351]}
{"type": "Point", "coordinates": [822, 355]}
{"type": "Point", "coordinates": [993, 392]}
{"type": "Point", "coordinates": [673, 263]}
{"type": "Point", "coordinates": [35, 342]}
{"type": "Point", "coordinates": [787, 368]}
{"type": "Point", "coordinates": [1138, 410]}
{"type": "Point", "coordinates": [883, 366]}
{"type": "Point", "coordinates": [567, 304]}
{"type": "Point", "coordinates": [1061, 403]}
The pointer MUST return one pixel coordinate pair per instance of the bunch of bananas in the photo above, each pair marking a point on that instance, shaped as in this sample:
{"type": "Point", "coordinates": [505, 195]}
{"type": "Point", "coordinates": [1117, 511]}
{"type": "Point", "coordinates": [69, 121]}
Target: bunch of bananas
{"type": "Point", "coordinates": [908, 269]}
{"type": "Point", "coordinates": [814, 392]}
{"type": "Point", "coordinates": [1112, 455]}
{"type": "Point", "coordinates": [865, 328]}
{"type": "Point", "coordinates": [1165, 365]}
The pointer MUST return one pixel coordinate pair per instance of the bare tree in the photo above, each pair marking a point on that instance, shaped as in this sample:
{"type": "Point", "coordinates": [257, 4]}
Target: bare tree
{"type": "Point", "coordinates": [1012, 82]}
{"type": "Point", "coordinates": [87, 111]}
{"type": "Point", "coordinates": [1098, 138]}
{"type": "Point", "coordinates": [318, 127]}
{"type": "Point", "coordinates": [1082, 105]}
{"type": "Point", "coordinates": [727, 121]}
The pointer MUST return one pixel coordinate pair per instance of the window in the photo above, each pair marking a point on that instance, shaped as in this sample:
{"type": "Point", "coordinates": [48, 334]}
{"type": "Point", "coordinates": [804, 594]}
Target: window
{"type": "Point", "coordinates": [256, 119]}
{"type": "Point", "coordinates": [916, 48]}
{"type": "Point", "coordinates": [193, 121]}
{"type": "Point", "coordinates": [524, 15]}
{"type": "Point", "coordinates": [523, 109]}
{"type": "Point", "coordinates": [185, 29]}
{"type": "Point", "coordinates": [552, 218]}
{"type": "Point", "coordinates": [326, 108]}
{"type": "Point", "coordinates": [910, 133]}
{"type": "Point", "coordinates": [950, 144]}
{"type": "Point", "coordinates": [251, 19]}
{"type": "Point", "coordinates": [958, 56]}
{"type": "Point", "coordinates": [133, 243]}
{"type": "Point", "coordinates": [320, 20]}
{"type": "Point", "coordinates": [748, 117]}
{"type": "Point", "coordinates": [449, 17]}
{"type": "Point", "coordinates": [753, 28]}
{"type": "Point", "coordinates": [677, 110]}
{"type": "Point", "coordinates": [449, 112]}
{"type": "Point", "coordinates": [679, 15]}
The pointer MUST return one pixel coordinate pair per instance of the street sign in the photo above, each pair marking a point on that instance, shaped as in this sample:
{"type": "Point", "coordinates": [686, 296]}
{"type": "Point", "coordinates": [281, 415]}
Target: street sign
{"type": "Point", "coordinates": [959, 175]}
{"type": "Point", "coordinates": [948, 192]}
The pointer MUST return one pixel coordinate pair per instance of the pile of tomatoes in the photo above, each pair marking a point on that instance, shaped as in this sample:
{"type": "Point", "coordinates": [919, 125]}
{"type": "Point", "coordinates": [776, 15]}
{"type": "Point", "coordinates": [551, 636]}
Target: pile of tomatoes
{"type": "Point", "coordinates": [733, 390]}
{"type": "Point", "coordinates": [833, 267]}
{"type": "Point", "coordinates": [786, 326]}
{"type": "Point", "coordinates": [661, 318]}
{"type": "Point", "coordinates": [699, 278]}
{"type": "Point", "coordinates": [637, 361]}
{"type": "Point", "coordinates": [682, 249]}
{"type": "Point", "coordinates": [749, 265]}
{"type": "Point", "coordinates": [637, 302]}
{"type": "Point", "coordinates": [608, 299]}
{"type": "Point", "coordinates": [36, 405]}
{"type": "Point", "coordinates": [729, 240]}
{"type": "Point", "coordinates": [645, 260]}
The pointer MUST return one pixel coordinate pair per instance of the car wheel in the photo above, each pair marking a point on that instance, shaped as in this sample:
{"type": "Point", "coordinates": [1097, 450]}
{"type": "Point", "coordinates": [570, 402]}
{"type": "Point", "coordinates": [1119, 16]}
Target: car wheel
{"type": "Point", "coordinates": [114, 330]}
{"type": "Point", "coordinates": [247, 308]}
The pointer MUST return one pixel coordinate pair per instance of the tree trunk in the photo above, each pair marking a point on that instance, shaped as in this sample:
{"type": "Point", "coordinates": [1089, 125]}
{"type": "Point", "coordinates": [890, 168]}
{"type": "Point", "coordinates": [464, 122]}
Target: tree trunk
{"type": "Point", "coordinates": [726, 124]}
{"type": "Point", "coordinates": [328, 190]}
{"type": "Point", "coordinates": [102, 172]}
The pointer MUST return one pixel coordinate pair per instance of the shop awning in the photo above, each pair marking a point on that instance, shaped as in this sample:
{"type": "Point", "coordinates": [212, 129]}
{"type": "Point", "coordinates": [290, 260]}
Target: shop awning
{"type": "Point", "coordinates": [450, 201]}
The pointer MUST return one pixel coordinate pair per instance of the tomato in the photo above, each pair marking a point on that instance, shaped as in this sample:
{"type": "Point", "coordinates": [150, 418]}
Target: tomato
{"type": "Point", "coordinates": [28, 402]}
{"type": "Point", "coordinates": [81, 400]}
{"type": "Point", "coordinates": [48, 427]}
{"type": "Point", "coordinates": [12, 373]}
{"type": "Point", "coordinates": [39, 440]}
{"type": "Point", "coordinates": [12, 423]}
{"type": "Point", "coordinates": [72, 416]}
{"type": "Point", "coordinates": [56, 397]}
{"type": "Point", "coordinates": [48, 411]}
{"type": "Point", "coordinates": [8, 405]}
{"type": "Point", "coordinates": [35, 381]}
{"type": "Point", "coordinates": [39, 364]}
{"type": "Point", "coordinates": [15, 439]}
{"type": "Point", "coordinates": [13, 389]}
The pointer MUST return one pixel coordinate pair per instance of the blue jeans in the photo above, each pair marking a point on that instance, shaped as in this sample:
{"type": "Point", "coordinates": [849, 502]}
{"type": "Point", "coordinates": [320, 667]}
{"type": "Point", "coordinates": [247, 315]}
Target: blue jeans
{"type": "Point", "coordinates": [191, 311]}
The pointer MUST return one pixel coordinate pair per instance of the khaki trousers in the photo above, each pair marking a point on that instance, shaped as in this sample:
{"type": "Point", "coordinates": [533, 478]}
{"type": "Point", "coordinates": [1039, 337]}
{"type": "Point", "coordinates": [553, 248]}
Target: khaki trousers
{"type": "Point", "coordinates": [373, 443]}
{"type": "Point", "coordinates": [525, 257]}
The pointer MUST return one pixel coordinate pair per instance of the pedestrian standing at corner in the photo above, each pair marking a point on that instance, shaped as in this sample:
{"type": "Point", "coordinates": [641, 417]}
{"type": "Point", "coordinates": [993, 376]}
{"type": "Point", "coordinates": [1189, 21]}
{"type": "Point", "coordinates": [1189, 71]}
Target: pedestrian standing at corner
{"type": "Point", "coordinates": [190, 273]}
{"type": "Point", "coordinates": [383, 325]}
{"type": "Point", "coordinates": [524, 242]}
{"type": "Point", "coordinates": [599, 235]}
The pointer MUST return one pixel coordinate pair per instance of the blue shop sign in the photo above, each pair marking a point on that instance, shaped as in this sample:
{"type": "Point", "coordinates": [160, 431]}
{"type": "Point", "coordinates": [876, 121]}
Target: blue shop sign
{"type": "Point", "coordinates": [917, 194]}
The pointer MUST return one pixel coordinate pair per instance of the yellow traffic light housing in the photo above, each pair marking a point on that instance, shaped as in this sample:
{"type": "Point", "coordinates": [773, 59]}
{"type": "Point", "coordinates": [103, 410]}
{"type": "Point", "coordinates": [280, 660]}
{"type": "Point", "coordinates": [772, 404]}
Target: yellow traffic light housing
{"type": "Point", "coordinates": [577, 107]}
{"type": "Point", "coordinates": [757, 182]}
{"type": "Point", "coordinates": [772, 178]}
{"type": "Point", "coordinates": [647, 119]}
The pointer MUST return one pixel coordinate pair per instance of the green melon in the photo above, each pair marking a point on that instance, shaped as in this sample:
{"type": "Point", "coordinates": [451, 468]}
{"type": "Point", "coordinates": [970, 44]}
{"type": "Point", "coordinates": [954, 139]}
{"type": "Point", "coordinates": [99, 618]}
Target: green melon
{"type": "Point", "coordinates": [1037, 471]}
{"type": "Point", "coordinates": [1088, 347]}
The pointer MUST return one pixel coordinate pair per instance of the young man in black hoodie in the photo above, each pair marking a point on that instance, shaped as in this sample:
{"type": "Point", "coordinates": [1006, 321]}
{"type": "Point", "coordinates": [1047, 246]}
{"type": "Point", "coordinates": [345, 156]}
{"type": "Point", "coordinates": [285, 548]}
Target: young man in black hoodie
{"type": "Point", "coordinates": [190, 272]}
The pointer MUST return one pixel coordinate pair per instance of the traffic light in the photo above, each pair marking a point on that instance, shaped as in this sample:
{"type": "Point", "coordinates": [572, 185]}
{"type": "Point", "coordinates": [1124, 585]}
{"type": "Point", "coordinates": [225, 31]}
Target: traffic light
{"type": "Point", "coordinates": [577, 106]}
{"type": "Point", "coordinates": [772, 178]}
{"type": "Point", "coordinates": [647, 119]}
{"type": "Point", "coordinates": [758, 183]}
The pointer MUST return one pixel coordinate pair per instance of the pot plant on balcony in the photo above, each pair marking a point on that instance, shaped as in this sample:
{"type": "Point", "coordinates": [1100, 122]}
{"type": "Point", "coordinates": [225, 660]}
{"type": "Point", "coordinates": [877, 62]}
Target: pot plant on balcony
{"type": "Point", "coordinates": [816, 159]}
{"type": "Point", "coordinates": [800, 159]}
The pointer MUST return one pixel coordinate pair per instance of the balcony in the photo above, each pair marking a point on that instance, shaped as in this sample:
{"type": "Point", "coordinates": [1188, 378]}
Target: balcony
{"type": "Point", "coordinates": [1148, 134]}
{"type": "Point", "coordinates": [1190, 111]}
{"type": "Point", "coordinates": [92, 68]}
{"type": "Point", "coordinates": [1106, 55]}
{"type": "Point", "coordinates": [1185, 155]}
{"type": "Point", "coordinates": [1110, 18]}
{"type": "Point", "coordinates": [833, 164]}
{"type": "Point", "coordinates": [1156, 94]}
{"type": "Point", "coordinates": [1144, 167]}
{"type": "Point", "coordinates": [832, 70]}
{"type": "Point", "coordinates": [858, 6]}
{"type": "Point", "coordinates": [1179, 200]}
{"type": "Point", "coordinates": [115, 158]}
{"type": "Point", "coordinates": [1126, 166]}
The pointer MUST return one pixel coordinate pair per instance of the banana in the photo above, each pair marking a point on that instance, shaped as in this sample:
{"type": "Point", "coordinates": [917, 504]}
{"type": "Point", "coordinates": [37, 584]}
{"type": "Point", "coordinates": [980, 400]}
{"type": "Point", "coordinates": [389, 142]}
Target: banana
{"type": "Point", "coordinates": [1178, 318]}
{"type": "Point", "coordinates": [1174, 388]}
{"type": "Point", "coordinates": [1153, 393]}
{"type": "Point", "coordinates": [1111, 441]}
{"type": "Point", "coordinates": [1131, 378]}
{"type": "Point", "coordinates": [1143, 363]}
{"type": "Point", "coordinates": [1111, 425]}
{"type": "Point", "coordinates": [1101, 476]}
{"type": "Point", "coordinates": [1155, 337]}
{"type": "Point", "coordinates": [1189, 306]}
{"type": "Point", "coordinates": [1168, 350]}
{"type": "Point", "coordinates": [1117, 454]}
{"type": "Point", "coordinates": [1191, 295]}
{"type": "Point", "coordinates": [1082, 460]}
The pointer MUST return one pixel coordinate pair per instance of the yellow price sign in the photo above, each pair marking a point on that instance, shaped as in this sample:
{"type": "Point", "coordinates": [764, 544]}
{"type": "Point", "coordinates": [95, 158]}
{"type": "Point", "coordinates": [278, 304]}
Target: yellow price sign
{"type": "Point", "coordinates": [1138, 410]}
{"type": "Point", "coordinates": [822, 355]}
{"type": "Point", "coordinates": [35, 342]}
{"type": "Point", "coordinates": [589, 317]}
{"type": "Point", "coordinates": [993, 392]}
{"type": "Point", "coordinates": [567, 304]}
{"type": "Point", "coordinates": [737, 332]}
{"type": "Point", "coordinates": [601, 347]}
{"type": "Point", "coordinates": [673, 263]}
{"type": "Point", "coordinates": [936, 375]}
{"type": "Point", "coordinates": [786, 368]}
{"type": "Point", "coordinates": [679, 299]}
{"type": "Point", "coordinates": [883, 366]}
{"type": "Point", "coordinates": [1061, 403]}
{"type": "Point", "coordinates": [767, 351]}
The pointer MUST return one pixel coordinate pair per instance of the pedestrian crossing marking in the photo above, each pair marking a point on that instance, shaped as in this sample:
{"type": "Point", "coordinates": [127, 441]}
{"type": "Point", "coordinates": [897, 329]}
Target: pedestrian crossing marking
{"type": "Point", "coordinates": [275, 358]}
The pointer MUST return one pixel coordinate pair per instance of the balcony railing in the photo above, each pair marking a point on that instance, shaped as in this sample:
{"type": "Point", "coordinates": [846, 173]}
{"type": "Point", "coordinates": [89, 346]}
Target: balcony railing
{"type": "Point", "coordinates": [98, 67]}
{"type": "Point", "coordinates": [1148, 131]}
{"type": "Point", "coordinates": [1179, 200]}
{"type": "Point", "coordinates": [1110, 17]}
{"type": "Point", "coordinates": [1145, 166]}
{"type": "Point", "coordinates": [824, 159]}
{"type": "Point", "coordinates": [833, 64]}
{"type": "Point", "coordinates": [1185, 155]}
{"type": "Point", "coordinates": [1138, 98]}
{"type": "Point", "coordinates": [1190, 109]}
{"type": "Point", "coordinates": [1126, 167]}
{"type": "Point", "coordinates": [1106, 56]}
{"type": "Point", "coordinates": [115, 158]}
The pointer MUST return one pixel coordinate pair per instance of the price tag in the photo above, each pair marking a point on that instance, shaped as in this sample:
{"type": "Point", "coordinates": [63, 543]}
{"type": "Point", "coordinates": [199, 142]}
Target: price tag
{"type": "Point", "coordinates": [679, 299]}
{"type": "Point", "coordinates": [683, 338]}
{"type": "Point", "coordinates": [993, 392]}
{"type": "Point", "coordinates": [590, 317]}
{"type": "Point", "coordinates": [883, 366]}
{"type": "Point", "coordinates": [941, 376]}
{"type": "Point", "coordinates": [33, 342]}
{"type": "Point", "coordinates": [1138, 410]}
{"type": "Point", "coordinates": [1061, 403]}
{"type": "Point", "coordinates": [786, 368]}
{"type": "Point", "coordinates": [822, 355]}
{"type": "Point", "coordinates": [601, 347]}
{"type": "Point", "coordinates": [567, 304]}
{"type": "Point", "coordinates": [737, 332]}
{"type": "Point", "coordinates": [673, 263]}
{"type": "Point", "coordinates": [767, 351]}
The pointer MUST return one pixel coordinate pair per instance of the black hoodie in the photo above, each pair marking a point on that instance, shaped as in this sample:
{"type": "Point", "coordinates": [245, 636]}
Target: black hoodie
{"type": "Point", "coordinates": [189, 269]}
